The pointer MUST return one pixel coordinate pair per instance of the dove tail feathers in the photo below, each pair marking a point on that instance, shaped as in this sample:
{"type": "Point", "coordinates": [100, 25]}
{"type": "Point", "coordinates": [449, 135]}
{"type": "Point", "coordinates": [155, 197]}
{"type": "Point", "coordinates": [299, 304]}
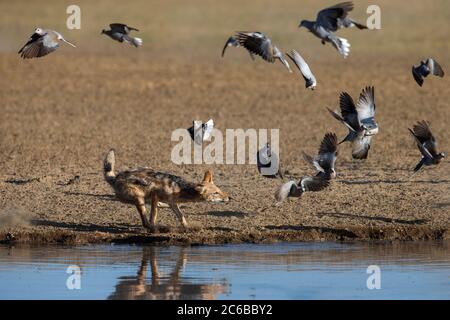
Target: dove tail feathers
{"type": "Point", "coordinates": [343, 46]}
{"type": "Point", "coordinates": [137, 42]}
{"type": "Point", "coordinates": [283, 191]}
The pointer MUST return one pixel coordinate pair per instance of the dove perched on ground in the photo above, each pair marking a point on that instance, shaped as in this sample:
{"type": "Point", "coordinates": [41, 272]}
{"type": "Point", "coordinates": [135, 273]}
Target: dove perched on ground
{"type": "Point", "coordinates": [268, 162]}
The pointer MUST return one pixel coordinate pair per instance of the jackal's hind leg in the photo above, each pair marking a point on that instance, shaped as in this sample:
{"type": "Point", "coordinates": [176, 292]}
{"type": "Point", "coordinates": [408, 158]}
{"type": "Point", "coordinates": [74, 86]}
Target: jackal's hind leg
{"type": "Point", "coordinates": [140, 205]}
{"type": "Point", "coordinates": [154, 210]}
{"type": "Point", "coordinates": [179, 214]}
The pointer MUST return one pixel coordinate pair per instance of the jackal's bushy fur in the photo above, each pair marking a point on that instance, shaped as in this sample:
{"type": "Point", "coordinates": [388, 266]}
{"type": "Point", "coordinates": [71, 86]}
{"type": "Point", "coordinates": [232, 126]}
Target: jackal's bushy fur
{"type": "Point", "coordinates": [138, 185]}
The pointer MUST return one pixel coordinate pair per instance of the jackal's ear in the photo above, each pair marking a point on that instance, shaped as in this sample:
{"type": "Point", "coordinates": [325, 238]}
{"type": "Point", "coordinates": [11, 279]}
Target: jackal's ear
{"type": "Point", "coordinates": [208, 177]}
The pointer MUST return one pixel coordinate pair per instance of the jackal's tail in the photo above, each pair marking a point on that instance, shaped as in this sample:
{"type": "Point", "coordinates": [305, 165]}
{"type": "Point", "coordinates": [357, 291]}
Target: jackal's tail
{"type": "Point", "coordinates": [108, 167]}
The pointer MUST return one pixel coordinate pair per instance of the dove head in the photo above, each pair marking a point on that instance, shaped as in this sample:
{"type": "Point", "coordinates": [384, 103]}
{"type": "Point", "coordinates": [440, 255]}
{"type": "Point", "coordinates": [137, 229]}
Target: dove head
{"type": "Point", "coordinates": [371, 131]}
{"type": "Point", "coordinates": [39, 31]}
{"type": "Point", "coordinates": [310, 84]}
{"type": "Point", "coordinates": [370, 128]}
{"type": "Point", "coordinates": [329, 174]}
{"type": "Point", "coordinates": [266, 153]}
{"type": "Point", "coordinates": [307, 24]}
{"type": "Point", "coordinates": [332, 174]}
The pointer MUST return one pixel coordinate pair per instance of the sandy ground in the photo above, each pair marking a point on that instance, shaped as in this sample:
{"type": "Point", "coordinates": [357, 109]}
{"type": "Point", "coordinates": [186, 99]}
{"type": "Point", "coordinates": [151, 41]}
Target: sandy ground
{"type": "Point", "coordinates": [61, 113]}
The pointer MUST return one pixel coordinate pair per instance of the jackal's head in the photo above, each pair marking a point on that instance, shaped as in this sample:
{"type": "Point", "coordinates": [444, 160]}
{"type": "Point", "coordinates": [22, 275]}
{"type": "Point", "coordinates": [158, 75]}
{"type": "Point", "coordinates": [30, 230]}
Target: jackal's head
{"type": "Point", "coordinates": [209, 191]}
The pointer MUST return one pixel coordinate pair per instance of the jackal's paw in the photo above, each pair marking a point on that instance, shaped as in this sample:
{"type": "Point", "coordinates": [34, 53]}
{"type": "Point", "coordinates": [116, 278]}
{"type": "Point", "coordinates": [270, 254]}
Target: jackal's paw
{"type": "Point", "coordinates": [151, 229]}
{"type": "Point", "coordinates": [192, 227]}
{"type": "Point", "coordinates": [184, 228]}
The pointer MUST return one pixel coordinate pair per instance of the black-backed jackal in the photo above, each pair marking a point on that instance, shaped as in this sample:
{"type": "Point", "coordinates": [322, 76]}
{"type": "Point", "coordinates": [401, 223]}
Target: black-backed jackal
{"type": "Point", "coordinates": [138, 185]}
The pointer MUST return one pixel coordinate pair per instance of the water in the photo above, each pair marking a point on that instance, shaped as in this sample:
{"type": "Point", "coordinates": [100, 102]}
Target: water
{"type": "Point", "coordinates": [415, 270]}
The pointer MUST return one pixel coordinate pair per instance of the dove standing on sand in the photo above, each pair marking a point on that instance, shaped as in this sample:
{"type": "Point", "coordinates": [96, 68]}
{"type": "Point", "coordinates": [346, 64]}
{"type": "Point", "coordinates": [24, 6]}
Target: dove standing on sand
{"type": "Point", "coordinates": [41, 43]}
{"type": "Point", "coordinates": [328, 21]}
{"type": "Point", "coordinates": [425, 68]}
{"type": "Point", "coordinates": [259, 44]}
{"type": "Point", "coordinates": [233, 42]}
{"type": "Point", "coordinates": [310, 80]}
{"type": "Point", "coordinates": [325, 161]}
{"type": "Point", "coordinates": [268, 162]}
{"type": "Point", "coordinates": [120, 32]}
{"type": "Point", "coordinates": [427, 145]}
{"type": "Point", "coordinates": [293, 189]}
{"type": "Point", "coordinates": [359, 119]}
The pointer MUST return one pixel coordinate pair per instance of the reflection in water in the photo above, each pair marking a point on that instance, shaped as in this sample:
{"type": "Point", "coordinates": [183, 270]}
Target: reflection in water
{"type": "Point", "coordinates": [168, 287]}
{"type": "Point", "coordinates": [409, 270]}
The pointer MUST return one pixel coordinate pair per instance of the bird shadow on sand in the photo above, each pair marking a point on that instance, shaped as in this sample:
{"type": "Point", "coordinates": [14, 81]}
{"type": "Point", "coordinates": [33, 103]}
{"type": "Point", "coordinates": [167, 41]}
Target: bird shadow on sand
{"type": "Point", "coordinates": [442, 205]}
{"type": "Point", "coordinates": [87, 227]}
{"type": "Point", "coordinates": [228, 213]}
{"type": "Point", "coordinates": [107, 197]}
{"type": "Point", "coordinates": [336, 231]}
{"type": "Point", "coordinates": [115, 229]}
{"type": "Point", "coordinates": [372, 218]}
{"type": "Point", "coordinates": [364, 182]}
{"type": "Point", "coordinates": [224, 229]}
{"type": "Point", "coordinates": [22, 181]}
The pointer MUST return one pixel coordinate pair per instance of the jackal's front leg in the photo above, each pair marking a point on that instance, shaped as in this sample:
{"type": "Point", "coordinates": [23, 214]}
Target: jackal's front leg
{"type": "Point", "coordinates": [154, 210]}
{"type": "Point", "coordinates": [140, 205]}
{"type": "Point", "coordinates": [179, 214]}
